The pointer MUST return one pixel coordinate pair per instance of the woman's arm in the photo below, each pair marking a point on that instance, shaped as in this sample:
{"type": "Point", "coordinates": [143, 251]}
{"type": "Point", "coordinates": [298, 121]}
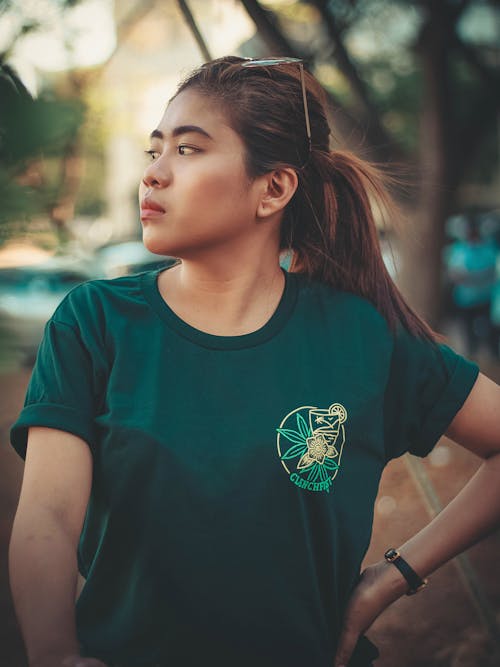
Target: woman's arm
{"type": "Point", "coordinates": [42, 553]}
{"type": "Point", "coordinates": [469, 517]}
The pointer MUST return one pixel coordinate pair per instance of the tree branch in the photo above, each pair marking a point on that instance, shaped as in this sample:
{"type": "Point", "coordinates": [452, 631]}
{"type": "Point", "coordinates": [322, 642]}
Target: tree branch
{"type": "Point", "coordinates": [490, 78]}
{"type": "Point", "coordinates": [189, 18]}
{"type": "Point", "coordinates": [378, 134]}
{"type": "Point", "coordinates": [456, 12]}
{"type": "Point", "coordinates": [342, 57]}
{"type": "Point", "coordinates": [267, 28]}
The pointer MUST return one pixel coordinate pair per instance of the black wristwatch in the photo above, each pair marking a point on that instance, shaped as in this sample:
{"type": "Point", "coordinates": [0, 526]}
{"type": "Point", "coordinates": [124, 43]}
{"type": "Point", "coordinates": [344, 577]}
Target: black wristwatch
{"type": "Point", "coordinates": [415, 582]}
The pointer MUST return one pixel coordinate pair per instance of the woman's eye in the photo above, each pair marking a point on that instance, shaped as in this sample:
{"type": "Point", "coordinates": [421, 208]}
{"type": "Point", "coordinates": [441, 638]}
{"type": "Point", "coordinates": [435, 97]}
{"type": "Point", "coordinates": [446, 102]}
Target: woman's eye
{"type": "Point", "coordinates": [186, 150]}
{"type": "Point", "coordinates": [152, 154]}
{"type": "Point", "coordinates": [182, 149]}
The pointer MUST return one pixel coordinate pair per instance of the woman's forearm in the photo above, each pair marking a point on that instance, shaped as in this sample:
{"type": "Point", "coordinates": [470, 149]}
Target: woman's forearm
{"type": "Point", "coordinates": [43, 575]}
{"type": "Point", "coordinates": [469, 517]}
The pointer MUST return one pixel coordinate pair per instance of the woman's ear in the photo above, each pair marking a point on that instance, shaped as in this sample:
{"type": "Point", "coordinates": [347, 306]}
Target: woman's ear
{"type": "Point", "coordinates": [279, 186]}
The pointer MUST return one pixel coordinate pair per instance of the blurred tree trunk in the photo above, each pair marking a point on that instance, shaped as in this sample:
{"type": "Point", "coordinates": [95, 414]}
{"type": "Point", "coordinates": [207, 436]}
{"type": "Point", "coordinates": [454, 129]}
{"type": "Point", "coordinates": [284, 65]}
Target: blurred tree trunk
{"type": "Point", "coordinates": [421, 244]}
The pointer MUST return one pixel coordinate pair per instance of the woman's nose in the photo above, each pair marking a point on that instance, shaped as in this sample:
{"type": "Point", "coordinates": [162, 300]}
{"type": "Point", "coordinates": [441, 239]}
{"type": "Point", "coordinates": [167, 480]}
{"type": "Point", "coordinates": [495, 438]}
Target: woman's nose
{"type": "Point", "coordinates": [157, 174]}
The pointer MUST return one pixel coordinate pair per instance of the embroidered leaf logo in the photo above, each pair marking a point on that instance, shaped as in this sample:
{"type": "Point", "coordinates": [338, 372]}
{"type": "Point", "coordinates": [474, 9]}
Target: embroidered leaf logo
{"type": "Point", "coordinates": [318, 472]}
{"type": "Point", "coordinates": [295, 450]}
{"type": "Point", "coordinates": [299, 446]}
{"type": "Point", "coordinates": [302, 426]}
{"type": "Point", "coordinates": [292, 435]}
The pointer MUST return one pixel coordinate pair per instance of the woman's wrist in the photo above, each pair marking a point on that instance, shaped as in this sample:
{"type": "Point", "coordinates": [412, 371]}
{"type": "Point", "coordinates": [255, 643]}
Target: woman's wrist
{"type": "Point", "coordinates": [414, 581]}
{"type": "Point", "coordinates": [388, 581]}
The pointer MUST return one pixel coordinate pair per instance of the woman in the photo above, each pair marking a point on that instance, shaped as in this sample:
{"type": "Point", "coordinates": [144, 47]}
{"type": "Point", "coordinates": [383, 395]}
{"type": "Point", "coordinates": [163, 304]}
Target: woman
{"type": "Point", "coordinates": [205, 442]}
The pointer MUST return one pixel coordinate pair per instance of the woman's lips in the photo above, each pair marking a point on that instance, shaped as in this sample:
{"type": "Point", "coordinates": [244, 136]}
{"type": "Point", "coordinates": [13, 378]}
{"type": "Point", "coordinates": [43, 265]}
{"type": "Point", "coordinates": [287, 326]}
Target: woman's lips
{"type": "Point", "coordinates": [150, 209]}
{"type": "Point", "coordinates": [151, 213]}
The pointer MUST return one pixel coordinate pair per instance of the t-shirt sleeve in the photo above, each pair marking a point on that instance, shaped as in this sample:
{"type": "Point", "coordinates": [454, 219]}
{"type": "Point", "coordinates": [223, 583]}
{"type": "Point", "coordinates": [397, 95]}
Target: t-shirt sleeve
{"type": "Point", "coordinates": [427, 385]}
{"type": "Point", "coordinates": [65, 387]}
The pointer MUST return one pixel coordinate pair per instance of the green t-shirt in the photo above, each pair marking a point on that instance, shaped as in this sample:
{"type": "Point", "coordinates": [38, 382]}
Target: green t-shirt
{"type": "Point", "coordinates": [234, 477]}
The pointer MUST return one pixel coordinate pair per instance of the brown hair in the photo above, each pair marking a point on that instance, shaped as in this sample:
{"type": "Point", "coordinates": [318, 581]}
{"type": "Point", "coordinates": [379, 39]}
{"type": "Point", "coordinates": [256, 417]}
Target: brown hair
{"type": "Point", "coordinates": [329, 223]}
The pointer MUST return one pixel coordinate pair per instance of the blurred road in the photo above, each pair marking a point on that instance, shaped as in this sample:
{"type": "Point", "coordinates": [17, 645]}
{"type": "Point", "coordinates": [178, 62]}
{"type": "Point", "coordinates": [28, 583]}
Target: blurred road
{"type": "Point", "coordinates": [439, 627]}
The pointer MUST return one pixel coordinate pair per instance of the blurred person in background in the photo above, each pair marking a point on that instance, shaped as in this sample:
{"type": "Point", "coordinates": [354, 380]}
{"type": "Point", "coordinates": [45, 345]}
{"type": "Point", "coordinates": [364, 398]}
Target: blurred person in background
{"type": "Point", "coordinates": [204, 443]}
{"type": "Point", "coordinates": [471, 267]}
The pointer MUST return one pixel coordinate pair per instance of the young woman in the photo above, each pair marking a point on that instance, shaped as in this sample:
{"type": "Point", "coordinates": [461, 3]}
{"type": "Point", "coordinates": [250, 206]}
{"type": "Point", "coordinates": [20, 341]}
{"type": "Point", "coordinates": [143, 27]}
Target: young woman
{"type": "Point", "coordinates": [204, 443]}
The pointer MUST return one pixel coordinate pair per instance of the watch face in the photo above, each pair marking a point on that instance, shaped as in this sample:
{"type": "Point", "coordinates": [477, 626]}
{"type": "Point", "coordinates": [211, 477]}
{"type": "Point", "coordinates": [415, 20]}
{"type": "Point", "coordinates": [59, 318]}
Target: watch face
{"type": "Point", "coordinates": [391, 554]}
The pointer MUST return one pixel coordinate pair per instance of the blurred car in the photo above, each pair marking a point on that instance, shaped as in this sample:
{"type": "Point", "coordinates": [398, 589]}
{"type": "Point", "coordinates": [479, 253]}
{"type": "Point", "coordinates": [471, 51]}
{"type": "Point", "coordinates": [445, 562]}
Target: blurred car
{"type": "Point", "coordinates": [28, 297]}
{"type": "Point", "coordinates": [127, 257]}
{"type": "Point", "coordinates": [30, 294]}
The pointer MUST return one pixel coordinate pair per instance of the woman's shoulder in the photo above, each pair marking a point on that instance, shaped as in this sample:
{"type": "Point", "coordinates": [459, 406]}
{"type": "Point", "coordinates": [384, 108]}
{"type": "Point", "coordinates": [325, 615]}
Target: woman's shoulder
{"type": "Point", "coordinates": [345, 306]}
{"type": "Point", "coordinates": [97, 298]}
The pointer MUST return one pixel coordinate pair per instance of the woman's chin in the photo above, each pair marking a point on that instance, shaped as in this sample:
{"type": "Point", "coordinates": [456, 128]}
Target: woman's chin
{"type": "Point", "coordinates": [155, 244]}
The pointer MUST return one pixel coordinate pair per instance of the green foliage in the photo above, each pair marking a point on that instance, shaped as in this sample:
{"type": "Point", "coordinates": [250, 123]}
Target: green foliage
{"type": "Point", "coordinates": [94, 137]}
{"type": "Point", "coordinates": [396, 95]}
{"type": "Point", "coordinates": [91, 201]}
{"type": "Point", "coordinates": [30, 130]}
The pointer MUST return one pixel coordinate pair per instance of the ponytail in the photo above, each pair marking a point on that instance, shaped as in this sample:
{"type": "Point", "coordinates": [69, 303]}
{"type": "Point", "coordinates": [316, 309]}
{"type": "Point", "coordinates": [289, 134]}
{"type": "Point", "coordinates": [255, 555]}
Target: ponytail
{"type": "Point", "coordinates": [330, 227]}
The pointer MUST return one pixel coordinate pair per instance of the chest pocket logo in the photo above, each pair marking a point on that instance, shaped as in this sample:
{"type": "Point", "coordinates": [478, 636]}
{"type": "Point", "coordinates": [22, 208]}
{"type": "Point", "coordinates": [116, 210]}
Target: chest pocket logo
{"type": "Point", "coordinates": [310, 442]}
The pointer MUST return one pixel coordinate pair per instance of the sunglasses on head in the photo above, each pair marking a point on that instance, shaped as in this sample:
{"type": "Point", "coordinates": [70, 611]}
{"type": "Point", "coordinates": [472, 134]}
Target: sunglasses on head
{"type": "Point", "coordinates": [269, 62]}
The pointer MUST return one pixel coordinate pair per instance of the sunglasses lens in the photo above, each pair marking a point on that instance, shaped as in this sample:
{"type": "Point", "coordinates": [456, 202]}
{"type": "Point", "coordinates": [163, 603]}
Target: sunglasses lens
{"type": "Point", "coordinates": [270, 61]}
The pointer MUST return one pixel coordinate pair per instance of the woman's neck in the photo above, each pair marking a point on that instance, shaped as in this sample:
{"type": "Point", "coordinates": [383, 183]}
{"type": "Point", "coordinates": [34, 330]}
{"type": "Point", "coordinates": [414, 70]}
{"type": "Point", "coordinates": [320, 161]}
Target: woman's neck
{"type": "Point", "coordinates": [228, 301]}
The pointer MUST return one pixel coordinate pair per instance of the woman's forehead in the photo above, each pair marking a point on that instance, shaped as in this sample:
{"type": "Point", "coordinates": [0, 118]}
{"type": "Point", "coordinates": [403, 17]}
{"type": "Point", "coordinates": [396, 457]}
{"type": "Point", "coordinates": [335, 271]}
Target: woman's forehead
{"type": "Point", "coordinates": [191, 108]}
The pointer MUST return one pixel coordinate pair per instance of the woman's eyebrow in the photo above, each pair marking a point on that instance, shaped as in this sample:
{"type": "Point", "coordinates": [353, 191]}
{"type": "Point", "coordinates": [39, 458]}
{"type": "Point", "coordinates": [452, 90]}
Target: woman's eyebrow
{"type": "Point", "coordinates": [181, 129]}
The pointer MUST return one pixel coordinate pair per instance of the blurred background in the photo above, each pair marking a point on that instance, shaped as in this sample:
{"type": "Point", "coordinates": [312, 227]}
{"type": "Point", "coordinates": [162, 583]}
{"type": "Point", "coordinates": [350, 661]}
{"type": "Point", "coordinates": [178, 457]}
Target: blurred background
{"type": "Point", "coordinates": [415, 85]}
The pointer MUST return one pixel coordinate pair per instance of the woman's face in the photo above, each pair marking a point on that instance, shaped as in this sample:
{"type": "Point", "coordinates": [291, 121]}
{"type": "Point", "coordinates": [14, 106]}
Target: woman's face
{"type": "Point", "coordinates": [195, 195]}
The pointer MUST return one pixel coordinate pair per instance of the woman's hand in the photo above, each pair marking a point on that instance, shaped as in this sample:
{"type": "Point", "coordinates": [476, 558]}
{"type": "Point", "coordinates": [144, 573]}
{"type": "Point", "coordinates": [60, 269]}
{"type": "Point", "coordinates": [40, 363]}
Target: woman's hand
{"type": "Point", "coordinates": [379, 585]}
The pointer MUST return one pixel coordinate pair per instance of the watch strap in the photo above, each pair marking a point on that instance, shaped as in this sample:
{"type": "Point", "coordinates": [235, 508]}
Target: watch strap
{"type": "Point", "coordinates": [415, 582]}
